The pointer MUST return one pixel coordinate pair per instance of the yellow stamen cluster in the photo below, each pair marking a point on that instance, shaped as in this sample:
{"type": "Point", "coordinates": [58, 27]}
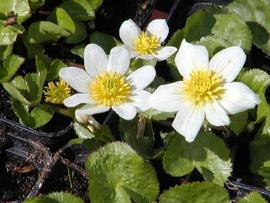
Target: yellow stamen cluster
{"type": "Point", "coordinates": [203, 86]}
{"type": "Point", "coordinates": [146, 44]}
{"type": "Point", "coordinates": [57, 92]}
{"type": "Point", "coordinates": [110, 89]}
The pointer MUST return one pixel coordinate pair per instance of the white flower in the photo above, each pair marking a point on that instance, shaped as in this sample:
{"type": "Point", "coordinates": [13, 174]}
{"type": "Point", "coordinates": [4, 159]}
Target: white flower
{"type": "Point", "coordinates": [146, 45]}
{"type": "Point", "coordinates": [206, 92]}
{"type": "Point", "coordinates": [104, 85]}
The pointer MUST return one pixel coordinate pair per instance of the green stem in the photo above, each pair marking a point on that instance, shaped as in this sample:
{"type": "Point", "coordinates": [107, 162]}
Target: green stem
{"type": "Point", "coordinates": [62, 111]}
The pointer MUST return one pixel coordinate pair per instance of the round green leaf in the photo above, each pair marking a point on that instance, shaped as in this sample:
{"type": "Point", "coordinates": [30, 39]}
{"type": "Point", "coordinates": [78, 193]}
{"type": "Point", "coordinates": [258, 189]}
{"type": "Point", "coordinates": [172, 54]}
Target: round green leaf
{"type": "Point", "coordinates": [253, 197]}
{"type": "Point", "coordinates": [45, 31]}
{"type": "Point", "coordinates": [79, 34]}
{"type": "Point", "coordinates": [195, 192]}
{"type": "Point", "coordinates": [20, 7]}
{"type": "Point", "coordinates": [207, 153]}
{"type": "Point", "coordinates": [60, 17]}
{"type": "Point", "coordinates": [118, 174]}
{"type": "Point", "coordinates": [57, 197]}
{"type": "Point", "coordinates": [257, 15]}
{"type": "Point", "coordinates": [79, 9]}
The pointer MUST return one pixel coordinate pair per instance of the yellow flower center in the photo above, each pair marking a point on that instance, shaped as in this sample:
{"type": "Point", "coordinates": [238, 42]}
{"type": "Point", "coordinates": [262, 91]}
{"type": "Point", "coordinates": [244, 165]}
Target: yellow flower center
{"type": "Point", "coordinates": [146, 44]}
{"type": "Point", "coordinates": [203, 86]}
{"type": "Point", "coordinates": [110, 89]}
{"type": "Point", "coordinates": [57, 92]}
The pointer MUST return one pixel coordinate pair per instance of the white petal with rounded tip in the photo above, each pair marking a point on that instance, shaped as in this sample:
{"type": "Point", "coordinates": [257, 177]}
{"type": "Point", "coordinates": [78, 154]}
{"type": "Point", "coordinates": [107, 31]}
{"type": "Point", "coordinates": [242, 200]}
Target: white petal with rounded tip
{"type": "Point", "coordinates": [167, 98]}
{"type": "Point", "coordinates": [165, 52]}
{"type": "Point", "coordinates": [238, 97]}
{"type": "Point", "coordinates": [228, 62]}
{"type": "Point", "coordinates": [142, 77]}
{"type": "Point", "coordinates": [77, 99]}
{"type": "Point", "coordinates": [118, 60]}
{"type": "Point", "coordinates": [77, 78]}
{"type": "Point", "coordinates": [146, 57]}
{"type": "Point", "coordinates": [95, 60]}
{"type": "Point", "coordinates": [125, 111]}
{"type": "Point", "coordinates": [191, 57]}
{"type": "Point", "coordinates": [129, 32]}
{"type": "Point", "coordinates": [140, 100]}
{"type": "Point", "coordinates": [90, 109]}
{"type": "Point", "coordinates": [132, 52]}
{"type": "Point", "coordinates": [158, 28]}
{"type": "Point", "coordinates": [188, 121]}
{"type": "Point", "coordinates": [215, 114]}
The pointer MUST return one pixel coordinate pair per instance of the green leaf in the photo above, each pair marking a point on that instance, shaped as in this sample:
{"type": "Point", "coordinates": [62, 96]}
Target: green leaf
{"type": "Point", "coordinates": [38, 117]}
{"type": "Point", "coordinates": [139, 134]}
{"type": "Point", "coordinates": [56, 197]}
{"type": "Point", "coordinates": [78, 50]}
{"type": "Point", "coordinates": [54, 69]}
{"type": "Point", "coordinates": [32, 49]}
{"type": "Point", "coordinates": [60, 17]}
{"type": "Point", "coordinates": [107, 42]}
{"type": "Point", "coordinates": [253, 197]}
{"type": "Point", "coordinates": [79, 35]}
{"type": "Point", "coordinates": [138, 63]}
{"type": "Point", "coordinates": [45, 31]}
{"type": "Point", "coordinates": [10, 67]}
{"type": "Point", "coordinates": [5, 51]}
{"type": "Point", "coordinates": [8, 34]}
{"type": "Point", "coordinates": [264, 171]}
{"type": "Point", "coordinates": [79, 9]}
{"type": "Point", "coordinates": [238, 122]}
{"type": "Point", "coordinates": [256, 14]}
{"type": "Point", "coordinates": [258, 81]}
{"type": "Point", "coordinates": [195, 192]}
{"type": "Point", "coordinates": [214, 29]}
{"type": "Point", "coordinates": [15, 92]}
{"type": "Point", "coordinates": [95, 4]}
{"type": "Point", "coordinates": [153, 114]}
{"type": "Point", "coordinates": [259, 153]}
{"type": "Point", "coordinates": [20, 7]}
{"type": "Point", "coordinates": [82, 131]}
{"type": "Point", "coordinates": [121, 172]}
{"type": "Point", "coordinates": [35, 4]}
{"type": "Point", "coordinates": [208, 154]}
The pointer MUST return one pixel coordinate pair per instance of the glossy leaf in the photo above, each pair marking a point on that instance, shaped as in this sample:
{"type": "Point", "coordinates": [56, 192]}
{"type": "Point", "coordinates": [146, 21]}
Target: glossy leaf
{"type": "Point", "coordinates": [195, 192]}
{"type": "Point", "coordinates": [79, 9]}
{"type": "Point", "coordinates": [256, 15]}
{"type": "Point", "coordinates": [20, 7]}
{"type": "Point", "coordinates": [10, 67]}
{"type": "Point", "coordinates": [79, 35]}
{"type": "Point", "coordinates": [56, 197]}
{"type": "Point", "coordinates": [39, 116]}
{"type": "Point", "coordinates": [117, 169]}
{"type": "Point", "coordinates": [107, 42]}
{"type": "Point", "coordinates": [253, 197]}
{"type": "Point", "coordinates": [45, 31]}
{"type": "Point", "coordinates": [208, 154]}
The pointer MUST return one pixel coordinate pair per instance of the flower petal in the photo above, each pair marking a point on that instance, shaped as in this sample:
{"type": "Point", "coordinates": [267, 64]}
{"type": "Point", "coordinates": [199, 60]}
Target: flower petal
{"type": "Point", "coordinates": [77, 78]}
{"type": "Point", "coordinates": [190, 57]}
{"type": "Point", "coordinates": [140, 100]}
{"type": "Point", "coordinates": [216, 115]}
{"type": "Point", "coordinates": [165, 52]}
{"type": "Point", "coordinates": [90, 109]}
{"type": "Point", "coordinates": [146, 57]}
{"type": "Point", "coordinates": [118, 60]}
{"type": "Point", "coordinates": [158, 28]}
{"type": "Point", "coordinates": [188, 121]}
{"type": "Point", "coordinates": [228, 62]}
{"type": "Point", "coordinates": [142, 77]}
{"type": "Point", "coordinates": [129, 32]}
{"type": "Point", "coordinates": [95, 59]}
{"type": "Point", "coordinates": [167, 98]}
{"type": "Point", "coordinates": [77, 99]}
{"type": "Point", "coordinates": [125, 111]}
{"type": "Point", "coordinates": [238, 97]}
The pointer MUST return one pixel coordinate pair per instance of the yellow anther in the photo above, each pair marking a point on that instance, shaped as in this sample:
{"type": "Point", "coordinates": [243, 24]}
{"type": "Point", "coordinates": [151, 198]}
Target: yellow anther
{"type": "Point", "coordinates": [57, 92]}
{"type": "Point", "coordinates": [146, 44]}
